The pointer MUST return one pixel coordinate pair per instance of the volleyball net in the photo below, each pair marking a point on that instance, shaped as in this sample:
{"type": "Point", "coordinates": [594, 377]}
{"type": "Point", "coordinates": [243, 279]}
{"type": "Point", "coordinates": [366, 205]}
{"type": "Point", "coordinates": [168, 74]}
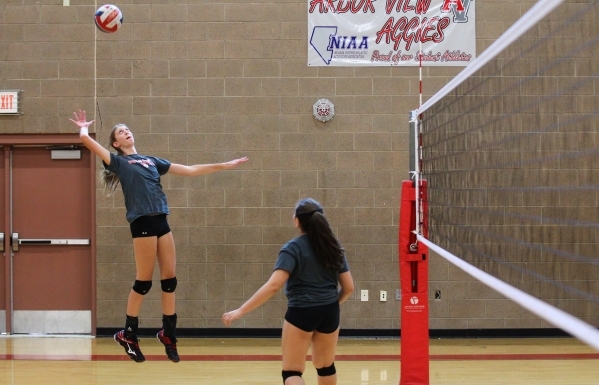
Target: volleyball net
{"type": "Point", "coordinates": [509, 150]}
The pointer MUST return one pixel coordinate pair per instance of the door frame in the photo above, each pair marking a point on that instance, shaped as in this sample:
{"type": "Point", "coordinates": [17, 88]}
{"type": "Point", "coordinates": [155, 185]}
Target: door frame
{"type": "Point", "coordinates": [9, 140]}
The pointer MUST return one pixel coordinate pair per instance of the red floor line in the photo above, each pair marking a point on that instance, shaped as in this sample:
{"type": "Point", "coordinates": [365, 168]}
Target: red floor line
{"type": "Point", "coordinates": [512, 357]}
{"type": "Point", "coordinates": [276, 357]}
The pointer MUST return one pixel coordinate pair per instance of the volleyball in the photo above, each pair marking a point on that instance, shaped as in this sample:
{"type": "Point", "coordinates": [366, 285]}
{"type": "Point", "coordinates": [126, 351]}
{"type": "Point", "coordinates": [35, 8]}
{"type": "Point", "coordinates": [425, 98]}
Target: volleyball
{"type": "Point", "coordinates": [108, 18]}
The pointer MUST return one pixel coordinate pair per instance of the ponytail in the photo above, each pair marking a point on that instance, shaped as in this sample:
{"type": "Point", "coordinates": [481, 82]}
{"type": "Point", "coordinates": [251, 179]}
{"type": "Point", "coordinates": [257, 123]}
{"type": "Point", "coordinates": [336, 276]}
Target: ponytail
{"type": "Point", "coordinates": [109, 180]}
{"type": "Point", "coordinates": [312, 221]}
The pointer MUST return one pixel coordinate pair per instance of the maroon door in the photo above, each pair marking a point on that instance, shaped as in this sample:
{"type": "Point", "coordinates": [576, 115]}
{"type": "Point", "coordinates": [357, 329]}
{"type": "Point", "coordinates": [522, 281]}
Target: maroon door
{"type": "Point", "coordinates": [51, 206]}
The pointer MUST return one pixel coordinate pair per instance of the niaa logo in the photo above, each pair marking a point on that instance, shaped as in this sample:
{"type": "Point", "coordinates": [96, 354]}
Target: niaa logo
{"type": "Point", "coordinates": [347, 42]}
{"type": "Point", "coordinates": [325, 42]}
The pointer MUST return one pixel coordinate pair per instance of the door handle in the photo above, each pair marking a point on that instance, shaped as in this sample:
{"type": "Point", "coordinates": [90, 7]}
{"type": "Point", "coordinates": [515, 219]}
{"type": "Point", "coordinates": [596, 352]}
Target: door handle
{"type": "Point", "coordinates": [1, 242]}
{"type": "Point", "coordinates": [33, 241]}
{"type": "Point", "coordinates": [14, 241]}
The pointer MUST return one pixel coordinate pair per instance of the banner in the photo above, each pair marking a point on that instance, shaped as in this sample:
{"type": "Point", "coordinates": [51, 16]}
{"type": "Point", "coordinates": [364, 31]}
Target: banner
{"type": "Point", "coordinates": [391, 32]}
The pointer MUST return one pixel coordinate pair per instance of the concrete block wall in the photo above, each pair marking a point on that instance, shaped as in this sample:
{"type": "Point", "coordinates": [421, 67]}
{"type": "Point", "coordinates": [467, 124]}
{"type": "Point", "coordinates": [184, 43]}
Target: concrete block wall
{"type": "Point", "coordinates": [211, 81]}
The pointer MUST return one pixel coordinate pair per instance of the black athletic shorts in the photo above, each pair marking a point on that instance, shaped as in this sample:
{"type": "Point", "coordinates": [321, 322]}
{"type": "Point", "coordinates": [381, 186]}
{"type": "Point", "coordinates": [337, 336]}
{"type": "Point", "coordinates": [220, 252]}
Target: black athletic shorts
{"type": "Point", "coordinates": [150, 226]}
{"type": "Point", "coordinates": [323, 318]}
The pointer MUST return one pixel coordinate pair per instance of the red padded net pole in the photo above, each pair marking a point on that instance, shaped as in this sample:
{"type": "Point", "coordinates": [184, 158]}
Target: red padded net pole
{"type": "Point", "coordinates": [413, 272]}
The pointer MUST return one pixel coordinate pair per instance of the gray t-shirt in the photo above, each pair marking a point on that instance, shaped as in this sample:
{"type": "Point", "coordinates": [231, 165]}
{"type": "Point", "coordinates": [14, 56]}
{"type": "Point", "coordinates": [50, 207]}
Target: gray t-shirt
{"type": "Point", "coordinates": [310, 283]}
{"type": "Point", "coordinates": [140, 179]}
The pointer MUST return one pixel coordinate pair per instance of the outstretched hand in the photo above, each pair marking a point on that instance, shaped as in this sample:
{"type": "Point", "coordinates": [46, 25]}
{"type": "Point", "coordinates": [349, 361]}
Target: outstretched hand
{"type": "Point", "coordinates": [236, 162]}
{"type": "Point", "coordinates": [81, 120]}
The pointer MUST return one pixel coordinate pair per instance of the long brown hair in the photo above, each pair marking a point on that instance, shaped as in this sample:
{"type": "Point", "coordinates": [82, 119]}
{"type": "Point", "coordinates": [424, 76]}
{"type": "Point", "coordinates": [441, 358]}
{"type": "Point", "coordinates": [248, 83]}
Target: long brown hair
{"type": "Point", "coordinates": [312, 221]}
{"type": "Point", "coordinates": [109, 178]}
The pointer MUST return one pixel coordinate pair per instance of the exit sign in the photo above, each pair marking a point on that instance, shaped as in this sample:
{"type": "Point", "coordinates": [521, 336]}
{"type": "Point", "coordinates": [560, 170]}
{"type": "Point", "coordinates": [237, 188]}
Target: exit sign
{"type": "Point", "coordinates": [10, 102]}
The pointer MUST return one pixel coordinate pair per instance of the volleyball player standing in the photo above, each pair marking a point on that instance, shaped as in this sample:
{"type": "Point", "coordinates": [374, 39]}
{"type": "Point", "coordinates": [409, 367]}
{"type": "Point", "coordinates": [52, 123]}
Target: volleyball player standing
{"type": "Point", "coordinates": [314, 266]}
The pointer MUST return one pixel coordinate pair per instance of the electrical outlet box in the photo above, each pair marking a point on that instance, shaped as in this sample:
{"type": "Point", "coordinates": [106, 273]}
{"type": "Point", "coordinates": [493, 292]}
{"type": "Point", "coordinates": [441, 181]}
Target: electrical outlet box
{"type": "Point", "coordinates": [384, 375]}
{"type": "Point", "coordinates": [364, 374]}
{"type": "Point", "coordinates": [397, 294]}
{"type": "Point", "coordinates": [383, 295]}
{"type": "Point", "coordinates": [364, 295]}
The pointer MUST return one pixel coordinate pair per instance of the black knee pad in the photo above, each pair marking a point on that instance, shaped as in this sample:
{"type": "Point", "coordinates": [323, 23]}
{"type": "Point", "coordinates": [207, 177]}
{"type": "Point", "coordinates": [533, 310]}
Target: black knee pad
{"type": "Point", "coordinates": [289, 373]}
{"type": "Point", "coordinates": [328, 371]}
{"type": "Point", "coordinates": [142, 287]}
{"type": "Point", "coordinates": [169, 285]}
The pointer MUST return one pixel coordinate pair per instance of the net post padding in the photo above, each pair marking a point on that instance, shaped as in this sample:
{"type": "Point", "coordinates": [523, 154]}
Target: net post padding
{"type": "Point", "coordinates": [413, 272]}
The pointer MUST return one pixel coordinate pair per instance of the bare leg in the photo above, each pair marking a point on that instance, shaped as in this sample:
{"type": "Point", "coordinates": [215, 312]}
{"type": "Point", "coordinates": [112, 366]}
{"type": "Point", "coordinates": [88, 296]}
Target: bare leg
{"type": "Point", "coordinates": [145, 257]}
{"type": "Point", "coordinates": [295, 344]}
{"type": "Point", "coordinates": [167, 262]}
{"type": "Point", "coordinates": [323, 354]}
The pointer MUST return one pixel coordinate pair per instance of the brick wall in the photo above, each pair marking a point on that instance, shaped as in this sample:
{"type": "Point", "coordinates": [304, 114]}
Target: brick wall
{"type": "Point", "coordinates": [208, 82]}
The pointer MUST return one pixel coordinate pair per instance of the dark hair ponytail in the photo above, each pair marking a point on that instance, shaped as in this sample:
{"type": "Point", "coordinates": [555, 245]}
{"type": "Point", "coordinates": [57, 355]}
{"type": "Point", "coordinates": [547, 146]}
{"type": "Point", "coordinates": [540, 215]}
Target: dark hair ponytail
{"type": "Point", "coordinates": [327, 248]}
{"type": "Point", "coordinates": [109, 179]}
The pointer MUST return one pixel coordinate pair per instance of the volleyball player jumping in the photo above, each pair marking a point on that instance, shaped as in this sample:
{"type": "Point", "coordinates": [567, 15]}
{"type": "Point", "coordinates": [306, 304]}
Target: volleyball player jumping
{"type": "Point", "coordinates": [147, 209]}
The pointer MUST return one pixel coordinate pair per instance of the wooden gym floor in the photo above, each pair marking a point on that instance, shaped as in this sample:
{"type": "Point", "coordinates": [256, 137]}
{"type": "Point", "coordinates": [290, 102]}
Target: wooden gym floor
{"type": "Point", "coordinates": [251, 361]}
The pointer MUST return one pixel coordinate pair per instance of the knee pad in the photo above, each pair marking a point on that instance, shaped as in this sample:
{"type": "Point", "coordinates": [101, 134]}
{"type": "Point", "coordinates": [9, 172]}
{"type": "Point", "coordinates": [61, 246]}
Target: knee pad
{"type": "Point", "coordinates": [169, 285]}
{"type": "Point", "coordinates": [289, 373]}
{"type": "Point", "coordinates": [142, 287]}
{"type": "Point", "coordinates": [328, 371]}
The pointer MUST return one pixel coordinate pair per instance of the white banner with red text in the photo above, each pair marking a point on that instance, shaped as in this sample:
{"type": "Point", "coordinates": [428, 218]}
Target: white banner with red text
{"type": "Point", "coordinates": [391, 32]}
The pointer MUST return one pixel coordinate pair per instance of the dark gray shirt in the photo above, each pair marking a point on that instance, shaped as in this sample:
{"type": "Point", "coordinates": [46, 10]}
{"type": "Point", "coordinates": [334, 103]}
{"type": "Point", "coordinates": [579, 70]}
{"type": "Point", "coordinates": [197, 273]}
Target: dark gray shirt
{"type": "Point", "coordinates": [309, 283]}
{"type": "Point", "coordinates": [140, 179]}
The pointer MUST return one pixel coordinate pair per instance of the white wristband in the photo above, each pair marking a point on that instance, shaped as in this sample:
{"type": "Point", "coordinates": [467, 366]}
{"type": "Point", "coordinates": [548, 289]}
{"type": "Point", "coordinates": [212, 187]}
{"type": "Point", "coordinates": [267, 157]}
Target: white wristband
{"type": "Point", "coordinates": [83, 131]}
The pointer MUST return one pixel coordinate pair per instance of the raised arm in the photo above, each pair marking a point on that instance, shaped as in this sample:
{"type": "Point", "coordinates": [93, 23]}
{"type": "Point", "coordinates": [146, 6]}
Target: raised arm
{"type": "Point", "coordinates": [270, 288]}
{"type": "Point", "coordinates": [202, 169]}
{"type": "Point", "coordinates": [95, 147]}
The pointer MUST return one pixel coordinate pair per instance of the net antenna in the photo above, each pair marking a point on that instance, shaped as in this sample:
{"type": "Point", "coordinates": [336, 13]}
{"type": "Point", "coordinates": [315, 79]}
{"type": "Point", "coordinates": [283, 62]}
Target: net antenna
{"type": "Point", "coordinates": [464, 128]}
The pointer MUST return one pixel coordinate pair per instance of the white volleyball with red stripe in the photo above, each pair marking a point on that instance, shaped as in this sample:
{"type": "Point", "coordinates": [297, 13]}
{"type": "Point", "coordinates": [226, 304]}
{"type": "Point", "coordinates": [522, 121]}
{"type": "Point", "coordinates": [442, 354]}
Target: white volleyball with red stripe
{"type": "Point", "coordinates": [109, 18]}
